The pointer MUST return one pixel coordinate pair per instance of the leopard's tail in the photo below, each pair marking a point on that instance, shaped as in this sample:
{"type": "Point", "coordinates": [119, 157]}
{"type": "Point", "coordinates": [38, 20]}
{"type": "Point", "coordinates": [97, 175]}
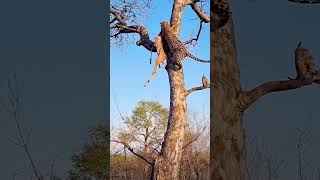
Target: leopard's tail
{"type": "Point", "coordinates": [197, 59]}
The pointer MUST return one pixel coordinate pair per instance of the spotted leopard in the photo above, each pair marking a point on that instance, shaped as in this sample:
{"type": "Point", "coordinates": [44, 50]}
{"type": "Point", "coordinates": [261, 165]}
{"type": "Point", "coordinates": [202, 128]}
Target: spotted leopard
{"type": "Point", "coordinates": [176, 47]}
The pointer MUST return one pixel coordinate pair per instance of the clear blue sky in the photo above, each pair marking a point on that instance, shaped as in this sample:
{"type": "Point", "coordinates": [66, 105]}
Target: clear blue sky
{"type": "Point", "coordinates": [129, 67]}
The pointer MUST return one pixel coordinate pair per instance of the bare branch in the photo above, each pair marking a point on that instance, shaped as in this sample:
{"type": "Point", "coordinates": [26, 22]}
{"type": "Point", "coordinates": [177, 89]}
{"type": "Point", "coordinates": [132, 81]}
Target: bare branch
{"type": "Point", "coordinates": [198, 35]}
{"type": "Point", "coordinates": [14, 114]}
{"type": "Point", "coordinates": [118, 108]}
{"type": "Point", "coordinates": [248, 98]}
{"type": "Point", "coordinates": [133, 152]}
{"type": "Point", "coordinates": [118, 16]}
{"type": "Point", "coordinates": [203, 17]}
{"type": "Point", "coordinates": [119, 24]}
{"type": "Point", "coordinates": [18, 172]}
{"type": "Point", "coordinates": [14, 142]}
{"type": "Point", "coordinates": [189, 91]}
{"type": "Point", "coordinates": [194, 139]}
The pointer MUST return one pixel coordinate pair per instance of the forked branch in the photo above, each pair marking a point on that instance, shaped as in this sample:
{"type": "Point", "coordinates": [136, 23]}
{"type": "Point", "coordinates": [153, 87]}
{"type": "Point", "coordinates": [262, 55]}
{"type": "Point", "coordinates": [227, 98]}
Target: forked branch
{"type": "Point", "coordinates": [120, 26]}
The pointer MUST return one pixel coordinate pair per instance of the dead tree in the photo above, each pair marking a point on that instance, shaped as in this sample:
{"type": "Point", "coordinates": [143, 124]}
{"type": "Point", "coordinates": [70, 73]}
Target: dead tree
{"type": "Point", "coordinates": [166, 165]}
{"type": "Point", "coordinates": [229, 101]}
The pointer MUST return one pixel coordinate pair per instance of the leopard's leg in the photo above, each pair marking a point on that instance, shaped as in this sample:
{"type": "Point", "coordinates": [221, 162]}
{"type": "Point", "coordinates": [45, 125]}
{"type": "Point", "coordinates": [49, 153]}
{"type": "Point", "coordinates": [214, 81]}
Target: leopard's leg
{"type": "Point", "coordinates": [159, 60]}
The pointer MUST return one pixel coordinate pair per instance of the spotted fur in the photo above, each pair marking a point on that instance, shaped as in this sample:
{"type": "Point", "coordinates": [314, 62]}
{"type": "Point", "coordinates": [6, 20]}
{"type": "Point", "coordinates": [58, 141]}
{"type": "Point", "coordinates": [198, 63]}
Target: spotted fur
{"type": "Point", "coordinates": [176, 47]}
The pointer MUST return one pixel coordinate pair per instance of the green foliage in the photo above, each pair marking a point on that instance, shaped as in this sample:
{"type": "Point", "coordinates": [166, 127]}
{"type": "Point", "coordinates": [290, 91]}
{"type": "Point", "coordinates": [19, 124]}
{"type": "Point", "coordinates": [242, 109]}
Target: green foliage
{"type": "Point", "coordinates": [91, 162]}
{"type": "Point", "coordinates": [147, 124]}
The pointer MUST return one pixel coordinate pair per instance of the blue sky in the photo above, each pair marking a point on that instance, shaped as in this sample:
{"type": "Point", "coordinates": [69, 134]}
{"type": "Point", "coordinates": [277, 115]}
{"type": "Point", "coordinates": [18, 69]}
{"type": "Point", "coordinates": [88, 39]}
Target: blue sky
{"type": "Point", "coordinates": [129, 67]}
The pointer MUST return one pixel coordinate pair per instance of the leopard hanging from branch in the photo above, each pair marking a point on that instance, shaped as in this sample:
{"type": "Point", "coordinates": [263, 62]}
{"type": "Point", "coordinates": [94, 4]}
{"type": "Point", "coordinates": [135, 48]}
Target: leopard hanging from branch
{"type": "Point", "coordinates": [176, 47]}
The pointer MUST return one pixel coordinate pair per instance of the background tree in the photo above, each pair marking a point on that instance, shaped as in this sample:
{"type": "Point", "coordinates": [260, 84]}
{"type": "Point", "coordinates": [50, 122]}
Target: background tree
{"type": "Point", "coordinates": [147, 125]}
{"type": "Point", "coordinates": [229, 101]}
{"type": "Point", "coordinates": [131, 154]}
{"type": "Point", "coordinates": [123, 23]}
{"type": "Point", "coordinates": [143, 132]}
{"type": "Point", "coordinates": [92, 160]}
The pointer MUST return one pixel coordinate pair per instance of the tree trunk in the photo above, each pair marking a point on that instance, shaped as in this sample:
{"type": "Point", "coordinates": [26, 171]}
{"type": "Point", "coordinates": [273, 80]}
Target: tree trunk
{"type": "Point", "coordinates": [228, 101]}
{"type": "Point", "coordinates": [166, 166]}
{"type": "Point", "coordinates": [227, 133]}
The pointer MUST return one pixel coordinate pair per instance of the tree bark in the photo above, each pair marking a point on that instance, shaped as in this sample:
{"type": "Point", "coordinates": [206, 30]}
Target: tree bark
{"type": "Point", "coordinates": [166, 166]}
{"type": "Point", "coordinates": [227, 133]}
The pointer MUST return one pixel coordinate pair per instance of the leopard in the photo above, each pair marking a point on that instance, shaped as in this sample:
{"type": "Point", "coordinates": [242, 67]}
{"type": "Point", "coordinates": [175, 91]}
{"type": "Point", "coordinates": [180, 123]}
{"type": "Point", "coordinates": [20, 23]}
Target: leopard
{"type": "Point", "coordinates": [176, 47]}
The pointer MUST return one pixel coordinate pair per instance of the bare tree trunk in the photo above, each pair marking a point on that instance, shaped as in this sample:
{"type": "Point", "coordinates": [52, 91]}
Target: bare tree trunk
{"type": "Point", "coordinates": [227, 134]}
{"type": "Point", "coordinates": [228, 101]}
{"type": "Point", "coordinates": [167, 164]}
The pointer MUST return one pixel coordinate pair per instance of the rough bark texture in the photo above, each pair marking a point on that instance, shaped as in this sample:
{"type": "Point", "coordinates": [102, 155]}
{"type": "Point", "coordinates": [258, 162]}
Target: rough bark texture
{"type": "Point", "coordinates": [166, 166]}
{"type": "Point", "coordinates": [227, 133]}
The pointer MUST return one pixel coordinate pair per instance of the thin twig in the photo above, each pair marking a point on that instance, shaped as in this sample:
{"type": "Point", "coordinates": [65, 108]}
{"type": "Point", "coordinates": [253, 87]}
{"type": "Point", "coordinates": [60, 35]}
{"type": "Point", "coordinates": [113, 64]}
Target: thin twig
{"type": "Point", "coordinates": [14, 113]}
{"type": "Point", "coordinates": [198, 35]}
